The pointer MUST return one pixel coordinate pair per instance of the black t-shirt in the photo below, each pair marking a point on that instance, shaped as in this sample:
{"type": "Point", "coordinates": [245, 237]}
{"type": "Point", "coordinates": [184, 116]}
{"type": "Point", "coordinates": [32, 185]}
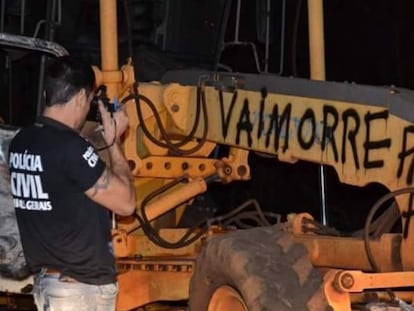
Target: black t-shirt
{"type": "Point", "coordinates": [51, 166]}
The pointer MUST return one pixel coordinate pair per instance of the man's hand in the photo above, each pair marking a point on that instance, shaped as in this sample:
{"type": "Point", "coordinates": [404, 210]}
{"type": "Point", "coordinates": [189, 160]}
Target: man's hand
{"type": "Point", "coordinates": [114, 126]}
{"type": "Point", "coordinates": [114, 189]}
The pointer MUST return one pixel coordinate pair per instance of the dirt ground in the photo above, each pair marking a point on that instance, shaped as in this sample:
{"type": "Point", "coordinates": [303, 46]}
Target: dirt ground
{"type": "Point", "coordinates": [25, 303]}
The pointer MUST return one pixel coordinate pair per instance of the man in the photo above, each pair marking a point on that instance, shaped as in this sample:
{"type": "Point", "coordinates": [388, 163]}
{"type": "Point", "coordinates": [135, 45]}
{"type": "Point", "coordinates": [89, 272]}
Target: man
{"type": "Point", "coordinates": [62, 192]}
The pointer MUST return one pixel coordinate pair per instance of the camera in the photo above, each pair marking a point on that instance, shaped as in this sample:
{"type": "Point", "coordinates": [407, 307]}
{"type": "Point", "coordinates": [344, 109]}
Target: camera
{"type": "Point", "coordinates": [100, 95]}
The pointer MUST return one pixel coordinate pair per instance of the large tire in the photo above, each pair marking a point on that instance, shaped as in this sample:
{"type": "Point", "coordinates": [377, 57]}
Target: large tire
{"type": "Point", "coordinates": [264, 265]}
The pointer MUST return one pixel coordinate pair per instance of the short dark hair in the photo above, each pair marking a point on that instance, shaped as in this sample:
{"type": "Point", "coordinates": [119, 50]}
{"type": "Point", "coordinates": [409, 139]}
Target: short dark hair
{"type": "Point", "coordinates": [65, 77]}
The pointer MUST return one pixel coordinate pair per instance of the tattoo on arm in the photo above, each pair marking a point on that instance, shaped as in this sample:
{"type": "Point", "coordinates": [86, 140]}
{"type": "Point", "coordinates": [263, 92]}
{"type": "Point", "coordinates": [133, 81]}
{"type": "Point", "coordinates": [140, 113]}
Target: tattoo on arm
{"type": "Point", "coordinates": [102, 182]}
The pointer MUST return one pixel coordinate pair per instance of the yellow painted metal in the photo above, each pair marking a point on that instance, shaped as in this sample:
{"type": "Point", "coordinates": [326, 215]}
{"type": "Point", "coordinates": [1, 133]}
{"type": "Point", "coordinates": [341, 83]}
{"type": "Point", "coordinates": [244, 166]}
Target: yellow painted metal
{"type": "Point", "coordinates": [357, 281]}
{"type": "Point", "coordinates": [235, 166]}
{"type": "Point", "coordinates": [339, 301]}
{"type": "Point", "coordinates": [226, 298]}
{"type": "Point", "coordinates": [174, 167]}
{"type": "Point", "coordinates": [142, 287]}
{"type": "Point", "coordinates": [390, 250]}
{"type": "Point", "coordinates": [138, 244]}
{"type": "Point", "coordinates": [153, 166]}
{"type": "Point", "coordinates": [136, 146]}
{"type": "Point", "coordinates": [183, 193]}
{"type": "Point", "coordinates": [342, 287]}
{"type": "Point", "coordinates": [145, 187]}
{"type": "Point", "coordinates": [178, 98]}
{"type": "Point", "coordinates": [109, 45]}
{"type": "Point", "coordinates": [350, 153]}
{"type": "Point", "coordinates": [117, 81]}
{"type": "Point", "coordinates": [109, 35]}
{"type": "Point", "coordinates": [349, 253]}
{"type": "Point", "coordinates": [151, 273]}
{"type": "Point", "coordinates": [173, 103]}
{"type": "Point", "coordinates": [316, 39]}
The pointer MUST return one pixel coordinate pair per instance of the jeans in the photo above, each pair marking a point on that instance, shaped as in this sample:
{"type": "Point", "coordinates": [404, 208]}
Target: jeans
{"type": "Point", "coordinates": [52, 294]}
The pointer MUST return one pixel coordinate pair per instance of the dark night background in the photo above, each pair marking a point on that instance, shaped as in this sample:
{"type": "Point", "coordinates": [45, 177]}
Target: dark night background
{"type": "Point", "coordinates": [367, 42]}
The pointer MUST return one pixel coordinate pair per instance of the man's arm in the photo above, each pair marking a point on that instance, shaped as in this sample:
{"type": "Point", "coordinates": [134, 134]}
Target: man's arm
{"type": "Point", "coordinates": [114, 189]}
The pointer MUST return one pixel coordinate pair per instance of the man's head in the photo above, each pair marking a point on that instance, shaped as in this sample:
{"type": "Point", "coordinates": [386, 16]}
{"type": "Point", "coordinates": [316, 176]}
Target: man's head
{"type": "Point", "coordinates": [65, 77]}
{"type": "Point", "coordinates": [69, 82]}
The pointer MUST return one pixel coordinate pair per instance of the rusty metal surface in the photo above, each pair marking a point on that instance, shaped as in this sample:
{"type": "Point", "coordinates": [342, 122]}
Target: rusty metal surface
{"type": "Point", "coordinates": [18, 41]}
{"type": "Point", "coordinates": [13, 270]}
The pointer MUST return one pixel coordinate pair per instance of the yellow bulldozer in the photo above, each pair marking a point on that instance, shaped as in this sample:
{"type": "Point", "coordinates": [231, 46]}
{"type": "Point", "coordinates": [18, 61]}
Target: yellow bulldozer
{"type": "Point", "coordinates": [364, 133]}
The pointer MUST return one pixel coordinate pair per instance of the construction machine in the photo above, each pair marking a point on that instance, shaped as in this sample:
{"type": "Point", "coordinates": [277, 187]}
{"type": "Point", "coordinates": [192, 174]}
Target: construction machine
{"type": "Point", "coordinates": [364, 133]}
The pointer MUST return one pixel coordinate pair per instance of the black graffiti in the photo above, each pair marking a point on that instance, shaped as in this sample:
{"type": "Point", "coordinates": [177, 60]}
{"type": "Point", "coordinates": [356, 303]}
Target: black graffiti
{"type": "Point", "coordinates": [308, 117]}
{"type": "Point", "coordinates": [351, 134]}
{"type": "Point", "coordinates": [245, 124]}
{"type": "Point", "coordinates": [225, 120]}
{"type": "Point", "coordinates": [404, 154]}
{"type": "Point", "coordinates": [407, 215]}
{"type": "Point", "coordinates": [276, 123]}
{"type": "Point", "coordinates": [279, 128]}
{"type": "Point", "coordinates": [329, 129]}
{"type": "Point", "coordinates": [371, 145]}
{"type": "Point", "coordinates": [263, 94]}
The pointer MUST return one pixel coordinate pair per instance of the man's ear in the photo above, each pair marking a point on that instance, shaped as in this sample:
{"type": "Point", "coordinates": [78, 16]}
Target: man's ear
{"type": "Point", "coordinates": [81, 98]}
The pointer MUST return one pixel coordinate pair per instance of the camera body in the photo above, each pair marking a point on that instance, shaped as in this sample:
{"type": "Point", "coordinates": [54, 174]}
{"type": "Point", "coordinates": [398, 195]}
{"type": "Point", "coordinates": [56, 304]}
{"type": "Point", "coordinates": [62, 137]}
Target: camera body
{"type": "Point", "coordinates": [100, 95]}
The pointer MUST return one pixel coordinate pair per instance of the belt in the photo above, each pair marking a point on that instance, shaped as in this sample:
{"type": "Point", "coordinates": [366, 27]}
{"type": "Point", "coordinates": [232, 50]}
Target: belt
{"type": "Point", "coordinates": [61, 277]}
{"type": "Point", "coordinates": [50, 271]}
